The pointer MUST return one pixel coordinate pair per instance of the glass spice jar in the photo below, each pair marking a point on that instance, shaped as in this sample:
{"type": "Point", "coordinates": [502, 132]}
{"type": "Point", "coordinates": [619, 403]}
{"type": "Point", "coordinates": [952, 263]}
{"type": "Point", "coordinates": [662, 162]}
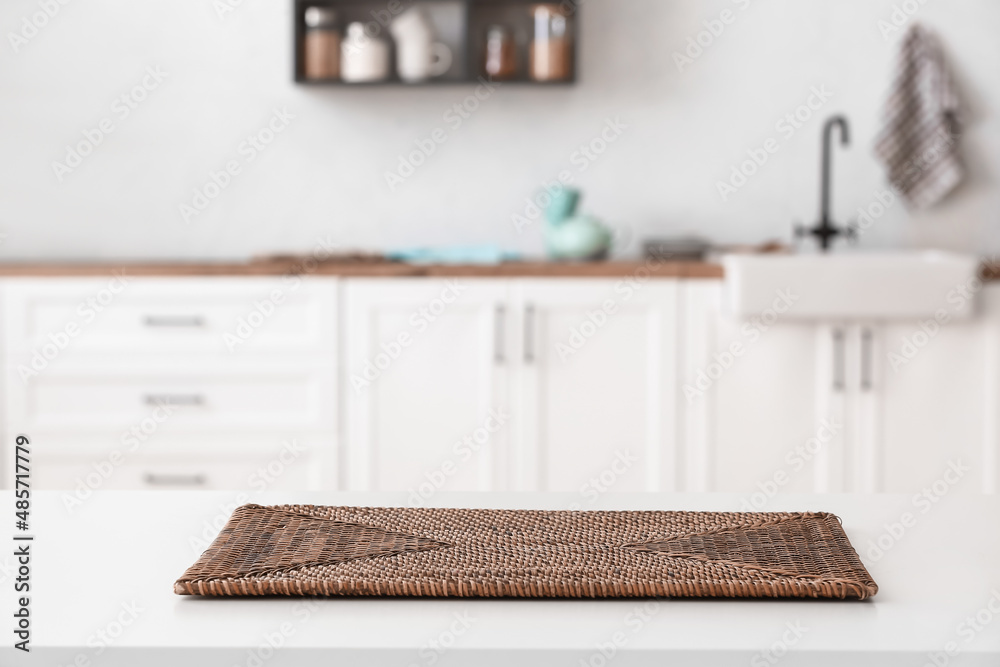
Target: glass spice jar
{"type": "Point", "coordinates": [552, 46]}
{"type": "Point", "coordinates": [501, 53]}
{"type": "Point", "coordinates": [321, 44]}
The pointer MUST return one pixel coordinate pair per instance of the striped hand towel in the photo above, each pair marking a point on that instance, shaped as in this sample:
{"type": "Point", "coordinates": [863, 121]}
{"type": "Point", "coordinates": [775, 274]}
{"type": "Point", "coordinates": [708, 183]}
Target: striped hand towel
{"type": "Point", "coordinates": [918, 142]}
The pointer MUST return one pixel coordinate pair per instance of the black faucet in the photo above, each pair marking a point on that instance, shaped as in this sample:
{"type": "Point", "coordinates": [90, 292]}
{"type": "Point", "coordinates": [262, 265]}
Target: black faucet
{"type": "Point", "coordinates": [826, 231]}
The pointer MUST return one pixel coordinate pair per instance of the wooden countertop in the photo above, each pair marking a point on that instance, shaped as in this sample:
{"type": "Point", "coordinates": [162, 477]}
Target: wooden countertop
{"type": "Point", "coordinates": [367, 269]}
{"type": "Point", "coordinates": [385, 269]}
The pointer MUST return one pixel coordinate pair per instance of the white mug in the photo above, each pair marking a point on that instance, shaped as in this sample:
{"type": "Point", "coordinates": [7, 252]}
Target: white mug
{"type": "Point", "coordinates": [418, 56]}
{"type": "Point", "coordinates": [363, 58]}
{"type": "Point", "coordinates": [421, 60]}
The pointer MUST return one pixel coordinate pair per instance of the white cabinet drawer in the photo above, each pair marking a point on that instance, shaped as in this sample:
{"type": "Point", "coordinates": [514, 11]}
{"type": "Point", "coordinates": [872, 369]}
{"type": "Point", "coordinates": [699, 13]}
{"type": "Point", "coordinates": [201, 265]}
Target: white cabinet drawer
{"type": "Point", "coordinates": [64, 317]}
{"type": "Point", "coordinates": [233, 397]}
{"type": "Point", "coordinates": [80, 477]}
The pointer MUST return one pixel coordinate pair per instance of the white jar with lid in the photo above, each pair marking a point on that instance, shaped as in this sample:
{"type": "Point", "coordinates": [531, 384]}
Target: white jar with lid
{"type": "Point", "coordinates": [363, 58]}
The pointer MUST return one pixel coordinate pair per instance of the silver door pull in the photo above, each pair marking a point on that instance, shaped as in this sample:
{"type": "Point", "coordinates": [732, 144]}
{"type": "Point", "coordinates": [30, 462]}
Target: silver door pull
{"type": "Point", "coordinates": [174, 399]}
{"type": "Point", "coordinates": [499, 333]}
{"type": "Point", "coordinates": [153, 479]}
{"type": "Point", "coordinates": [839, 363]}
{"type": "Point", "coordinates": [529, 334]}
{"type": "Point", "coordinates": [867, 365]}
{"type": "Point", "coordinates": [192, 321]}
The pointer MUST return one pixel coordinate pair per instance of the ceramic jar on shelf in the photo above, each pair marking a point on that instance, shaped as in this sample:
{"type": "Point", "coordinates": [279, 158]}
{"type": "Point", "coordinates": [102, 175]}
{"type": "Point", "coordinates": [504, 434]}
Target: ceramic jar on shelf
{"type": "Point", "coordinates": [552, 45]}
{"type": "Point", "coordinates": [321, 44]}
{"type": "Point", "coordinates": [500, 58]}
{"type": "Point", "coordinates": [364, 58]}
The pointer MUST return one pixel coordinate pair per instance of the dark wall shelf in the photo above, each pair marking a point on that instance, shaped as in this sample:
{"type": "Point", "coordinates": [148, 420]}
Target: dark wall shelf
{"type": "Point", "coordinates": [460, 24]}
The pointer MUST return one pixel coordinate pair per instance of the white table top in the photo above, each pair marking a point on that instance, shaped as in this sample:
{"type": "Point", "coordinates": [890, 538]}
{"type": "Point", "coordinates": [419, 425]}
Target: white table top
{"type": "Point", "coordinates": [109, 568]}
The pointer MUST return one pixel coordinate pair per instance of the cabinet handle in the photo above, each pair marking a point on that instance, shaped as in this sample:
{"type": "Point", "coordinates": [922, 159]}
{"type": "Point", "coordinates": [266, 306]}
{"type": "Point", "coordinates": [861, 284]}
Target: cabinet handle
{"type": "Point", "coordinates": [838, 361]}
{"type": "Point", "coordinates": [153, 479]}
{"type": "Point", "coordinates": [174, 399]}
{"type": "Point", "coordinates": [193, 321]}
{"type": "Point", "coordinates": [499, 331]}
{"type": "Point", "coordinates": [867, 348]}
{"type": "Point", "coordinates": [529, 334]}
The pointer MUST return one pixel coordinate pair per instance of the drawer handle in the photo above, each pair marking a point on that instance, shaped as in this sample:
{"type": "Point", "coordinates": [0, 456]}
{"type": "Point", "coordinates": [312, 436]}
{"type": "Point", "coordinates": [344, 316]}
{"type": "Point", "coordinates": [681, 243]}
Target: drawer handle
{"type": "Point", "coordinates": [499, 342]}
{"type": "Point", "coordinates": [157, 400]}
{"type": "Point", "coordinates": [529, 334]}
{"type": "Point", "coordinates": [193, 321]}
{"type": "Point", "coordinates": [839, 355]}
{"type": "Point", "coordinates": [174, 480]}
{"type": "Point", "coordinates": [867, 365]}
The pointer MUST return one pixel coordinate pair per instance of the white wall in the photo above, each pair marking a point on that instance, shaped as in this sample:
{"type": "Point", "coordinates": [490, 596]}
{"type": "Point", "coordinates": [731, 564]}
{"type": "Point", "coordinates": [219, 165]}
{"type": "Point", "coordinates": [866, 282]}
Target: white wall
{"type": "Point", "coordinates": [324, 175]}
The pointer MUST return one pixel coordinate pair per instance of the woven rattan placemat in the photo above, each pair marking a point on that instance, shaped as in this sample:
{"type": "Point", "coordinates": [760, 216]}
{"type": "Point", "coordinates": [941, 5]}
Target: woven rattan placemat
{"type": "Point", "coordinates": [314, 550]}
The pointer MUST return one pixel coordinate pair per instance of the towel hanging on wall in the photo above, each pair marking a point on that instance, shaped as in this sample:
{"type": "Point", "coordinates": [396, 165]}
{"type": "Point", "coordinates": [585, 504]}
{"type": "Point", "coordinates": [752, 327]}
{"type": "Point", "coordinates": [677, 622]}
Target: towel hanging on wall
{"type": "Point", "coordinates": [918, 142]}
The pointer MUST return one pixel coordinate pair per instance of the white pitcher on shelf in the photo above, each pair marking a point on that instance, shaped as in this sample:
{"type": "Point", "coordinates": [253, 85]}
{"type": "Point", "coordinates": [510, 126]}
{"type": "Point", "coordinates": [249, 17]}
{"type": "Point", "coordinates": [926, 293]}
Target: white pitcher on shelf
{"type": "Point", "coordinates": [418, 56]}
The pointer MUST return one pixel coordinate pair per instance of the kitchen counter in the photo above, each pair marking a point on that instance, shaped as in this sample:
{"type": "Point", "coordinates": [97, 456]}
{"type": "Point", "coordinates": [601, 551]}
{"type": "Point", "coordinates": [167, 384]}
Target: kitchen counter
{"type": "Point", "coordinates": [385, 269]}
{"type": "Point", "coordinates": [369, 269]}
{"type": "Point", "coordinates": [102, 595]}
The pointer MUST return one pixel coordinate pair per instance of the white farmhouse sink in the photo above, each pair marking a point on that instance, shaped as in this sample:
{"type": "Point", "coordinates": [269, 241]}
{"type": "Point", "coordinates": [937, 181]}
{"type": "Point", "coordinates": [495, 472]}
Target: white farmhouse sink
{"type": "Point", "coordinates": [851, 286]}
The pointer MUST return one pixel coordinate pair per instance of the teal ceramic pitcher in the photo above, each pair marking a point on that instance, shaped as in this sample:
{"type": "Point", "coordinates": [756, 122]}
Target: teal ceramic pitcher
{"type": "Point", "coordinates": [572, 236]}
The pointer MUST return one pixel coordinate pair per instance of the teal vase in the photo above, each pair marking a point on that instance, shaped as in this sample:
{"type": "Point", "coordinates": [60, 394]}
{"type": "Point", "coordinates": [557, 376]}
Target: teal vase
{"type": "Point", "coordinates": [569, 236]}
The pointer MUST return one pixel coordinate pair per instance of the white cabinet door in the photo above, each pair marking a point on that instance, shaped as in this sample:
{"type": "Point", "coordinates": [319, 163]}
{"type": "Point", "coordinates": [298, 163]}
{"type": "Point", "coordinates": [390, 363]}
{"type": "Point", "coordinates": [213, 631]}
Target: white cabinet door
{"type": "Point", "coordinates": [898, 407]}
{"type": "Point", "coordinates": [923, 408]}
{"type": "Point", "coordinates": [990, 309]}
{"type": "Point", "coordinates": [763, 400]}
{"type": "Point", "coordinates": [595, 400]}
{"type": "Point", "coordinates": [425, 385]}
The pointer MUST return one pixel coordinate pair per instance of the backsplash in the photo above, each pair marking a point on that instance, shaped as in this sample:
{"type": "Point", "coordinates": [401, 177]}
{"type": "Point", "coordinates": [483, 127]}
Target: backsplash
{"type": "Point", "coordinates": [181, 134]}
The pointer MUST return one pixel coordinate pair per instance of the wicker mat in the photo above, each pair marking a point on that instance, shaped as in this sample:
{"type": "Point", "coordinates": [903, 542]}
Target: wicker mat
{"type": "Point", "coordinates": [313, 550]}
